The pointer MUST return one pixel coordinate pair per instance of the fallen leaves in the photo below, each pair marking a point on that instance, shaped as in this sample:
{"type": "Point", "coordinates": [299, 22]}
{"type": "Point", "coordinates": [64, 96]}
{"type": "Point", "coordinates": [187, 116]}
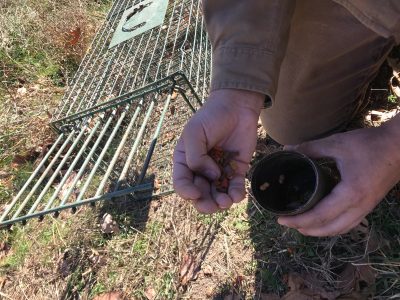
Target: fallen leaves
{"type": "Point", "coordinates": [150, 293]}
{"type": "Point", "coordinates": [4, 249]}
{"type": "Point", "coordinates": [357, 282]}
{"type": "Point", "coordinates": [21, 91]}
{"type": "Point", "coordinates": [67, 185]}
{"type": "Point", "coordinates": [108, 225]}
{"type": "Point", "coordinates": [96, 259]}
{"type": "Point", "coordinates": [32, 154]}
{"type": "Point", "coordinates": [354, 282]}
{"type": "Point", "coordinates": [188, 269]}
{"type": "Point", "coordinates": [73, 37]}
{"type": "Point", "coordinates": [110, 296]}
{"type": "Point", "coordinates": [3, 281]}
{"type": "Point", "coordinates": [208, 271]}
{"type": "Point", "coordinates": [305, 289]}
{"type": "Point", "coordinates": [376, 117]}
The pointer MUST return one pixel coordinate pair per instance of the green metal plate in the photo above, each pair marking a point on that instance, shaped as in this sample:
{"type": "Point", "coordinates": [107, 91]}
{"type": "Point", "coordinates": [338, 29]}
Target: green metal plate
{"type": "Point", "coordinates": [139, 19]}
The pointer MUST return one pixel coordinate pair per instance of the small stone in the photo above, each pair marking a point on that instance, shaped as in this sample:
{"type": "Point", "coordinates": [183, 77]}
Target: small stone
{"type": "Point", "coordinates": [264, 186]}
{"type": "Point", "coordinates": [208, 270]}
{"type": "Point", "coordinates": [210, 291]}
{"type": "Point", "coordinates": [21, 91]}
{"type": "Point", "coordinates": [109, 225]}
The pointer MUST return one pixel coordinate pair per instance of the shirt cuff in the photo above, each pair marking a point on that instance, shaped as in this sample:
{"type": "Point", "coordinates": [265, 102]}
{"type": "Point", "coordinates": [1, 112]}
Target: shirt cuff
{"type": "Point", "coordinates": [246, 69]}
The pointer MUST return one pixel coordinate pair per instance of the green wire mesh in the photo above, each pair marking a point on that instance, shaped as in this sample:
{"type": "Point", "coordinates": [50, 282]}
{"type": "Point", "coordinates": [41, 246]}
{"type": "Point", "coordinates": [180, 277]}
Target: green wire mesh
{"type": "Point", "coordinates": [122, 113]}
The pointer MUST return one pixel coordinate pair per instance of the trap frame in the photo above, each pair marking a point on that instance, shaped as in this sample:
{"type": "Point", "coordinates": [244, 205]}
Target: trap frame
{"type": "Point", "coordinates": [145, 73]}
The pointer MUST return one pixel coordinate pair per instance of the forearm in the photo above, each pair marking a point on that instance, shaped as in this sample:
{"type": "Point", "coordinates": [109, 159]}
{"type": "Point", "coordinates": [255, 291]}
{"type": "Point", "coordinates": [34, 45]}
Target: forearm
{"type": "Point", "coordinates": [249, 40]}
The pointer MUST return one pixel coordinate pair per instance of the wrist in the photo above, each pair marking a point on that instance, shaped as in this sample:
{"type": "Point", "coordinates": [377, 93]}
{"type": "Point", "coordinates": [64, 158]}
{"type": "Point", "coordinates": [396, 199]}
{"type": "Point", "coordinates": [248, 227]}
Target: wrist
{"type": "Point", "coordinates": [240, 98]}
{"type": "Point", "coordinates": [391, 131]}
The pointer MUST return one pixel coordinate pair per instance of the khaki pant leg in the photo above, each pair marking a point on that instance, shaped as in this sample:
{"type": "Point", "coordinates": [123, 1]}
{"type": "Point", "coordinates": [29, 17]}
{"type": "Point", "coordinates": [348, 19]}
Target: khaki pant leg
{"type": "Point", "coordinates": [330, 60]}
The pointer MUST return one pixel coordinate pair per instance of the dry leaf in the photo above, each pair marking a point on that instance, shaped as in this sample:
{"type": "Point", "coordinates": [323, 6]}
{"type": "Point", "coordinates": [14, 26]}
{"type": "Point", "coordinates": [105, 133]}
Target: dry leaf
{"type": "Point", "coordinates": [174, 95]}
{"type": "Point", "coordinates": [108, 225]}
{"type": "Point", "coordinates": [150, 293]}
{"type": "Point", "coordinates": [210, 291]}
{"type": "Point", "coordinates": [22, 91]}
{"type": "Point", "coordinates": [29, 156]}
{"type": "Point", "coordinates": [74, 36]}
{"type": "Point", "coordinates": [172, 110]}
{"type": "Point", "coordinates": [4, 174]}
{"type": "Point", "coordinates": [156, 184]}
{"type": "Point", "coordinates": [357, 281]}
{"type": "Point", "coordinates": [360, 232]}
{"type": "Point", "coordinates": [97, 259]}
{"type": "Point", "coordinates": [3, 281]}
{"type": "Point", "coordinates": [4, 249]}
{"type": "Point", "coordinates": [305, 288]}
{"type": "Point", "coordinates": [375, 117]}
{"type": "Point", "coordinates": [208, 270]}
{"type": "Point", "coordinates": [238, 281]}
{"type": "Point", "coordinates": [67, 185]}
{"type": "Point", "coordinates": [110, 296]}
{"type": "Point", "coordinates": [188, 270]}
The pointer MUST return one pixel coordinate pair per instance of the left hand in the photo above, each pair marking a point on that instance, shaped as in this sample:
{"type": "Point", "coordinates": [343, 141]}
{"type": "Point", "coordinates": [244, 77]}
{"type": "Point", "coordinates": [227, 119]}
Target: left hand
{"type": "Point", "coordinates": [369, 164]}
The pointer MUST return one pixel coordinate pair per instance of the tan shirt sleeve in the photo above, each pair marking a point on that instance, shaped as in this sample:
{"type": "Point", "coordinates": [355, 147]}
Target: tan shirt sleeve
{"type": "Point", "coordinates": [382, 17]}
{"type": "Point", "coordinates": [249, 39]}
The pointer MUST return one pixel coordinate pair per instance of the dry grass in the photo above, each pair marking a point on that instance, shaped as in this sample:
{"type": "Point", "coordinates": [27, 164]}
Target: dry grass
{"type": "Point", "coordinates": [36, 60]}
{"type": "Point", "coordinates": [242, 254]}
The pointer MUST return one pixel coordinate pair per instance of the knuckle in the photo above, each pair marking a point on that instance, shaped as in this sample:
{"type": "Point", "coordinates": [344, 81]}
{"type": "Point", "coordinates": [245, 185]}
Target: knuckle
{"type": "Point", "coordinates": [195, 163]}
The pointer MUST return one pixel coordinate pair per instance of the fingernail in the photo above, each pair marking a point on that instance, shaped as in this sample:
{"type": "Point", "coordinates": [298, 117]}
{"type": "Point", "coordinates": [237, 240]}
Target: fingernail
{"type": "Point", "coordinates": [281, 222]}
{"type": "Point", "coordinates": [211, 175]}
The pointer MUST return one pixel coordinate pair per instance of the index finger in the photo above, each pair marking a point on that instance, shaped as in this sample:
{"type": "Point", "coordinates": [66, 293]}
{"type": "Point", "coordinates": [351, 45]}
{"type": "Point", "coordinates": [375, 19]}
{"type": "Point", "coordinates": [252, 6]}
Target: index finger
{"type": "Point", "coordinates": [182, 176]}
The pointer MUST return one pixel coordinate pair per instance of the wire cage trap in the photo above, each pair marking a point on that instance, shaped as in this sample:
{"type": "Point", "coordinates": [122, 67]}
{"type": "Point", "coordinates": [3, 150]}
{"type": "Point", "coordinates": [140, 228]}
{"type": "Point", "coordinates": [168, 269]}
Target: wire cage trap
{"type": "Point", "coordinates": [146, 72]}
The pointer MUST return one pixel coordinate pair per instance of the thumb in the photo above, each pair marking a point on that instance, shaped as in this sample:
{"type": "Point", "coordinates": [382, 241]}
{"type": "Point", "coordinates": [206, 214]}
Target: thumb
{"type": "Point", "coordinates": [325, 147]}
{"type": "Point", "coordinates": [197, 158]}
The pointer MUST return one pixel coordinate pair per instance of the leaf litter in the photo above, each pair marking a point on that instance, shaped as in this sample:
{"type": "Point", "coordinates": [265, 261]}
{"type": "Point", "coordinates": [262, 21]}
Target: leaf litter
{"type": "Point", "coordinates": [188, 270]}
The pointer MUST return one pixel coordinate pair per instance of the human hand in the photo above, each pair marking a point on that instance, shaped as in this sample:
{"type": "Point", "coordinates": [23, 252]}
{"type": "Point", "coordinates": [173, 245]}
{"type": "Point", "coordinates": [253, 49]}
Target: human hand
{"type": "Point", "coordinates": [369, 164]}
{"type": "Point", "coordinates": [227, 120]}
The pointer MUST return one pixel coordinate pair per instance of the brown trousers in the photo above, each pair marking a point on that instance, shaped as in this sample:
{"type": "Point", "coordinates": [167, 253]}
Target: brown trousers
{"type": "Point", "coordinates": [329, 62]}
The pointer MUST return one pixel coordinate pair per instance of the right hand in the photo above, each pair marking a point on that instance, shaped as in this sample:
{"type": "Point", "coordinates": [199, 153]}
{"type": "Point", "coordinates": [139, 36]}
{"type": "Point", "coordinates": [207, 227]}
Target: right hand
{"type": "Point", "coordinates": [227, 120]}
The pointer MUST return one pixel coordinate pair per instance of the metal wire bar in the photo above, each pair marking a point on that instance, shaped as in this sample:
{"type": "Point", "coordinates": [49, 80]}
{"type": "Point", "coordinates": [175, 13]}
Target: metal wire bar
{"type": "Point", "coordinates": [102, 154]}
{"type": "Point", "coordinates": [42, 177]}
{"type": "Point", "coordinates": [122, 177]}
{"type": "Point", "coordinates": [110, 60]}
{"type": "Point", "coordinates": [70, 169]}
{"type": "Point", "coordinates": [155, 138]}
{"type": "Point", "coordinates": [131, 66]}
{"type": "Point", "coordinates": [87, 160]}
{"type": "Point", "coordinates": [200, 54]}
{"type": "Point", "coordinates": [108, 196]}
{"type": "Point", "coordinates": [194, 43]}
{"type": "Point", "coordinates": [186, 35]}
{"type": "Point", "coordinates": [176, 36]}
{"type": "Point", "coordinates": [205, 85]}
{"type": "Point", "coordinates": [125, 91]}
{"type": "Point", "coordinates": [128, 97]}
{"type": "Point", "coordinates": [95, 80]}
{"type": "Point", "coordinates": [55, 174]}
{"type": "Point", "coordinates": [183, 19]}
{"type": "Point", "coordinates": [165, 44]}
{"type": "Point", "coordinates": [95, 63]}
{"type": "Point", "coordinates": [31, 178]}
{"type": "Point", "coordinates": [119, 149]}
